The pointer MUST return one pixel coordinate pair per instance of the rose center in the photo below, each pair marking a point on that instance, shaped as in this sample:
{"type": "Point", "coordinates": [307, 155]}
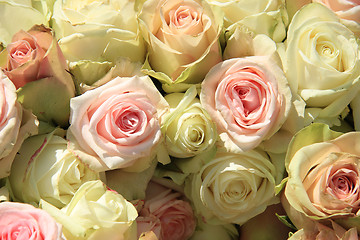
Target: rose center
{"type": "Point", "coordinates": [185, 17]}
{"type": "Point", "coordinates": [344, 183]}
{"type": "Point", "coordinates": [128, 121]}
{"type": "Point", "coordinates": [329, 54]}
{"type": "Point", "coordinates": [22, 53]}
{"type": "Point", "coordinates": [249, 97]}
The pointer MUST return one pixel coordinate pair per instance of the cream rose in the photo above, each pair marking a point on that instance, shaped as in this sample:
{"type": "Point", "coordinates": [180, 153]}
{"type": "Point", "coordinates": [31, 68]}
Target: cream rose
{"type": "Point", "coordinates": [45, 169]}
{"type": "Point", "coordinates": [232, 188]}
{"type": "Point", "coordinates": [95, 213]}
{"type": "Point", "coordinates": [323, 62]}
{"type": "Point", "coordinates": [247, 98]}
{"type": "Point", "coordinates": [117, 125]}
{"type": "Point", "coordinates": [23, 221]}
{"type": "Point", "coordinates": [182, 36]}
{"type": "Point", "coordinates": [188, 128]}
{"type": "Point", "coordinates": [324, 174]}
{"type": "Point", "coordinates": [270, 13]}
{"type": "Point", "coordinates": [108, 28]}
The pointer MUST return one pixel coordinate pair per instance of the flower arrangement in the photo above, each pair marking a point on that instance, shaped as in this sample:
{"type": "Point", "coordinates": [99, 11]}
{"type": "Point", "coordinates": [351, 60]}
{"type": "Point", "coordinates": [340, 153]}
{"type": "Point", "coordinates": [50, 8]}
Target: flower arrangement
{"type": "Point", "coordinates": [179, 119]}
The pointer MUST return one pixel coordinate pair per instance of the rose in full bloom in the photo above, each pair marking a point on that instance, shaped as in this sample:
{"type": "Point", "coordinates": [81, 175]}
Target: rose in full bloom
{"type": "Point", "coordinates": [15, 125]}
{"type": "Point", "coordinates": [324, 175]}
{"type": "Point", "coordinates": [23, 221]}
{"type": "Point", "coordinates": [247, 98]}
{"type": "Point", "coordinates": [37, 67]}
{"type": "Point", "coordinates": [18, 15]}
{"type": "Point", "coordinates": [188, 128]}
{"type": "Point", "coordinates": [323, 62]}
{"type": "Point", "coordinates": [95, 213]}
{"type": "Point", "coordinates": [270, 13]}
{"type": "Point", "coordinates": [94, 34]}
{"type": "Point", "coordinates": [45, 169]}
{"type": "Point", "coordinates": [233, 187]}
{"type": "Point", "coordinates": [166, 214]}
{"type": "Point", "coordinates": [182, 36]}
{"type": "Point", "coordinates": [117, 125]}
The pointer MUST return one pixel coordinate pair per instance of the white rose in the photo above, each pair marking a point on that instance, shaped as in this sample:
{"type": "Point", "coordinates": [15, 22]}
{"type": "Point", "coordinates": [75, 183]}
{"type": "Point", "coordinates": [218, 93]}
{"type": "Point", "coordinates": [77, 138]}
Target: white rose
{"type": "Point", "coordinates": [233, 188]}
{"type": "Point", "coordinates": [45, 169]}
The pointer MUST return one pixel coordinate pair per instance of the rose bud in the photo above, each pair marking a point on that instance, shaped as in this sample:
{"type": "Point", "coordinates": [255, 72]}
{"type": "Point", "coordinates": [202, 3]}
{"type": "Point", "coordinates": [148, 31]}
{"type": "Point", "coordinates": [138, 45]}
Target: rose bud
{"type": "Point", "coordinates": [37, 67]}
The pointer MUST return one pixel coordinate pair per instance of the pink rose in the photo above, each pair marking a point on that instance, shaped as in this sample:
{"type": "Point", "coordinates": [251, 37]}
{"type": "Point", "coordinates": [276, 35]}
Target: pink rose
{"type": "Point", "coordinates": [163, 206]}
{"type": "Point", "coordinates": [22, 222]}
{"type": "Point", "coordinates": [248, 99]}
{"type": "Point", "coordinates": [117, 125]}
{"type": "Point", "coordinates": [38, 69]}
{"type": "Point", "coordinates": [26, 60]}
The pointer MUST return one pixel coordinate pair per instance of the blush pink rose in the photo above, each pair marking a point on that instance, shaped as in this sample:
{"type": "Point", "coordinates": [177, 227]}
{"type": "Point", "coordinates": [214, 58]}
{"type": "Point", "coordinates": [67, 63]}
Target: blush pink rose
{"type": "Point", "coordinates": [248, 99]}
{"type": "Point", "coordinates": [22, 222]}
{"type": "Point", "coordinates": [26, 60]}
{"type": "Point", "coordinates": [117, 125]}
{"type": "Point", "coordinates": [163, 206]}
{"type": "Point", "coordinates": [38, 69]}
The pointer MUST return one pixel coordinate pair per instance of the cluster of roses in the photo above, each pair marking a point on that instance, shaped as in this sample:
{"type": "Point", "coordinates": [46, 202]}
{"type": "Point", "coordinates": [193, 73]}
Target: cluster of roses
{"type": "Point", "coordinates": [178, 119]}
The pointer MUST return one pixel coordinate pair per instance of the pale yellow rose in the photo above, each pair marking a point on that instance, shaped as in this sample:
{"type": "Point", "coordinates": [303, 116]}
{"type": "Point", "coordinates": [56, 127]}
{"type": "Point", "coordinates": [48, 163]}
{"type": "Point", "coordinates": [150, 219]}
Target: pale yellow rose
{"type": "Point", "coordinates": [182, 38]}
{"type": "Point", "coordinates": [95, 213]}
{"type": "Point", "coordinates": [97, 33]}
{"type": "Point", "coordinates": [233, 188]}
{"type": "Point", "coordinates": [188, 128]}
{"type": "Point", "coordinates": [270, 13]}
{"type": "Point", "coordinates": [45, 169]}
{"type": "Point", "coordinates": [322, 62]}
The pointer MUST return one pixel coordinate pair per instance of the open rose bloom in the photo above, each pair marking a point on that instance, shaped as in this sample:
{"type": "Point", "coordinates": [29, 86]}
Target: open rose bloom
{"type": "Point", "coordinates": [324, 174]}
{"type": "Point", "coordinates": [182, 36]}
{"type": "Point", "coordinates": [117, 125]}
{"type": "Point", "coordinates": [247, 98]}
